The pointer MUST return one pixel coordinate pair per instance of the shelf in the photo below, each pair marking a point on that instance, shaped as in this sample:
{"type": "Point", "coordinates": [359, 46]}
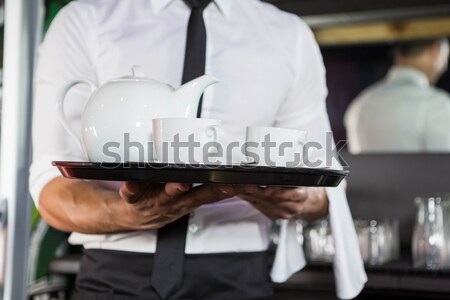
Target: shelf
{"type": "Point", "coordinates": [395, 276]}
{"type": "Point", "coordinates": [322, 7]}
{"type": "Point", "coordinates": [383, 32]}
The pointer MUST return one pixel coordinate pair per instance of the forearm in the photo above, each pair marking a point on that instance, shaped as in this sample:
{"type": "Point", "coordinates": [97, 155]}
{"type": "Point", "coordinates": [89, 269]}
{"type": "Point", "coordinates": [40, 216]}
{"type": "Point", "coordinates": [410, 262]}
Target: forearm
{"type": "Point", "coordinates": [82, 206]}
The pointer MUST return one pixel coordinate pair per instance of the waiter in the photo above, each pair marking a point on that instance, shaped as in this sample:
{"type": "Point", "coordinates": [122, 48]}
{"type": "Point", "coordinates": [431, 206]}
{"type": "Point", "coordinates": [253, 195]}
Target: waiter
{"type": "Point", "coordinates": [404, 112]}
{"type": "Point", "coordinates": [271, 74]}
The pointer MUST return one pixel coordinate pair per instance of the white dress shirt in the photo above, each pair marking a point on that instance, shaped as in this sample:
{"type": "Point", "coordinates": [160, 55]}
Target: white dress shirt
{"type": "Point", "coordinates": [271, 74]}
{"type": "Point", "coordinates": [402, 113]}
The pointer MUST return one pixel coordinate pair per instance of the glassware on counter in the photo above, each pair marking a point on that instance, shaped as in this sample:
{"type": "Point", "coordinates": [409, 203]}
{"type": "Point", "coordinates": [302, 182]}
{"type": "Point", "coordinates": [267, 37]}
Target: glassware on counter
{"type": "Point", "coordinates": [429, 249]}
{"type": "Point", "coordinates": [299, 227]}
{"type": "Point", "coordinates": [446, 208]}
{"type": "Point", "coordinates": [379, 241]}
{"type": "Point", "coordinates": [393, 237]}
{"type": "Point", "coordinates": [362, 231]}
{"type": "Point", "coordinates": [318, 241]}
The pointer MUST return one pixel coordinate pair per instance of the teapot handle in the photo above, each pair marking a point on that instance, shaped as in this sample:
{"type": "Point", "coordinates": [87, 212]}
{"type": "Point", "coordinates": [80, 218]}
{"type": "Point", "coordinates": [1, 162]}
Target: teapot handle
{"type": "Point", "coordinates": [60, 106]}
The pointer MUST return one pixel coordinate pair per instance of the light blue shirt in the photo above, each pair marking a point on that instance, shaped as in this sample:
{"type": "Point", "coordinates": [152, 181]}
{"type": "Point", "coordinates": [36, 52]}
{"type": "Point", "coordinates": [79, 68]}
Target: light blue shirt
{"type": "Point", "coordinates": [401, 113]}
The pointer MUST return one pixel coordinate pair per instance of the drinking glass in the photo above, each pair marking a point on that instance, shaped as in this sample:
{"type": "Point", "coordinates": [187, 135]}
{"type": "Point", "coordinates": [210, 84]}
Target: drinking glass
{"type": "Point", "coordinates": [428, 241]}
{"type": "Point", "coordinates": [379, 240]}
{"type": "Point", "coordinates": [378, 246]}
{"type": "Point", "coordinates": [362, 230]}
{"type": "Point", "coordinates": [445, 200]}
{"type": "Point", "coordinates": [318, 242]}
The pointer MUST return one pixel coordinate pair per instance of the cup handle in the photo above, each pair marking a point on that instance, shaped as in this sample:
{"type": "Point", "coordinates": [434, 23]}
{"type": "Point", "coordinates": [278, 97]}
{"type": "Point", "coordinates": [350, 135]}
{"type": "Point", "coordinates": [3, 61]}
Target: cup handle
{"type": "Point", "coordinates": [214, 131]}
{"type": "Point", "coordinates": [60, 106]}
{"type": "Point", "coordinates": [300, 143]}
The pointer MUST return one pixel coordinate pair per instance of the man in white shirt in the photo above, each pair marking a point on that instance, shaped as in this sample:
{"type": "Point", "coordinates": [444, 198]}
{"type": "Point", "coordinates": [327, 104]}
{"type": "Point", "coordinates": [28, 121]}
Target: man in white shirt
{"type": "Point", "coordinates": [404, 112]}
{"type": "Point", "coordinates": [271, 74]}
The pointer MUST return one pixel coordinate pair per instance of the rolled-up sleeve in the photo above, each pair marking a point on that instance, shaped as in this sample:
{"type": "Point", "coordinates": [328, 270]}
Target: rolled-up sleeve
{"type": "Point", "coordinates": [67, 53]}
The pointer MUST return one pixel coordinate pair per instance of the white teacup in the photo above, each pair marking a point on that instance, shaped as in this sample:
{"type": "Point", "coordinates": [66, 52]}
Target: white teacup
{"type": "Point", "coordinates": [275, 147]}
{"type": "Point", "coordinates": [186, 141]}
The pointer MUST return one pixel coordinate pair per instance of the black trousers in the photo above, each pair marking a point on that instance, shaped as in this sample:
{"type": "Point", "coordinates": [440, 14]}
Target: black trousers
{"type": "Point", "coordinates": [117, 275]}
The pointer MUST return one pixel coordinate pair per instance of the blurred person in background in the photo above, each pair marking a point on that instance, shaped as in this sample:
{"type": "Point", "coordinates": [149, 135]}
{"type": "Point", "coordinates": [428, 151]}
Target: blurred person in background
{"type": "Point", "coordinates": [404, 112]}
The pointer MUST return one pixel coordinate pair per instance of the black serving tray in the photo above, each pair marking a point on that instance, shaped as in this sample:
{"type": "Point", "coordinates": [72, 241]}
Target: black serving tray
{"type": "Point", "coordinates": [222, 174]}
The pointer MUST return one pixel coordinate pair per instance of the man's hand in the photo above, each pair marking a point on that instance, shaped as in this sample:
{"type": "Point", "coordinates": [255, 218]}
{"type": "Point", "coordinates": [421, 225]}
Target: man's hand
{"type": "Point", "coordinates": [151, 206]}
{"type": "Point", "coordinates": [87, 207]}
{"type": "Point", "coordinates": [310, 203]}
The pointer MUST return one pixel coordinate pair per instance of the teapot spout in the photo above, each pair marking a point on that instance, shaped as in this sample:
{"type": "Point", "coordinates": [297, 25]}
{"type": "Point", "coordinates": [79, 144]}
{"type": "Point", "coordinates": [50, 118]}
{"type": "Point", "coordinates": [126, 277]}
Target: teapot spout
{"type": "Point", "coordinates": [188, 95]}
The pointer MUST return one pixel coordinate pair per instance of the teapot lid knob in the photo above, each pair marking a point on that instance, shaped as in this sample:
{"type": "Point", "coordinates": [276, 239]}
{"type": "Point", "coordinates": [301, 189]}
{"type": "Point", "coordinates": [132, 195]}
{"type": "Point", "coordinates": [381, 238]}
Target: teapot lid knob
{"type": "Point", "coordinates": [137, 71]}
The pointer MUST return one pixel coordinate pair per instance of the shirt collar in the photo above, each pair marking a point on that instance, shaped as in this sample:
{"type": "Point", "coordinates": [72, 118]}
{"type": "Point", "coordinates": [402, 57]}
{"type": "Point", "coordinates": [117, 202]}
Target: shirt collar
{"type": "Point", "coordinates": [223, 5]}
{"type": "Point", "coordinates": [408, 73]}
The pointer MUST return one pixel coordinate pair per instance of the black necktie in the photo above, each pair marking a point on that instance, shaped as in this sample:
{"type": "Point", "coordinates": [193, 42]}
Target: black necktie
{"type": "Point", "coordinates": [195, 55]}
{"type": "Point", "coordinates": [168, 264]}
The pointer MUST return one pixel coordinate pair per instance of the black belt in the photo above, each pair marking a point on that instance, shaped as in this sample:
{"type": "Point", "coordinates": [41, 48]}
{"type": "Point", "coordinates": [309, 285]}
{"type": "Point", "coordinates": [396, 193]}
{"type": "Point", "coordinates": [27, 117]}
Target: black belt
{"type": "Point", "coordinates": [118, 275]}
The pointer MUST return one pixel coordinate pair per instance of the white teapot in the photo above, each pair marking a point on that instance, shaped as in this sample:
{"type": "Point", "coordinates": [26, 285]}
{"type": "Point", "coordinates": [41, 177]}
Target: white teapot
{"type": "Point", "coordinates": [117, 121]}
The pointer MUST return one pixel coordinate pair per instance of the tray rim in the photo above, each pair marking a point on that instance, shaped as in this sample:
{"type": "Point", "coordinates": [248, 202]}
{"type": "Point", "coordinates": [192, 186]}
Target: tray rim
{"type": "Point", "coordinates": [174, 167]}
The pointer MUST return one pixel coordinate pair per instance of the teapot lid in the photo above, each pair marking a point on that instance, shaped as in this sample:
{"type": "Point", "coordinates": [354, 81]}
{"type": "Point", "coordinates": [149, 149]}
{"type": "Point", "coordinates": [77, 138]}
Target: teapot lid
{"type": "Point", "coordinates": [137, 75]}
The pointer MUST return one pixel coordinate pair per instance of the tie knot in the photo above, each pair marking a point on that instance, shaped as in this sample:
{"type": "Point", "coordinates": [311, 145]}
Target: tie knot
{"type": "Point", "coordinates": [201, 4]}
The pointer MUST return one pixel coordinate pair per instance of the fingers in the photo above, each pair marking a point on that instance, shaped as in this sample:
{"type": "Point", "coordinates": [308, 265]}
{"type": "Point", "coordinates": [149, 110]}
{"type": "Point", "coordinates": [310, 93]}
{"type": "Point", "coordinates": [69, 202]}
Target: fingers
{"type": "Point", "coordinates": [186, 199]}
{"type": "Point", "coordinates": [155, 204]}
{"type": "Point", "coordinates": [285, 211]}
{"type": "Point", "coordinates": [207, 194]}
{"type": "Point", "coordinates": [280, 194]}
{"type": "Point", "coordinates": [173, 190]}
{"type": "Point", "coordinates": [280, 210]}
{"type": "Point", "coordinates": [246, 189]}
{"type": "Point", "coordinates": [180, 198]}
{"type": "Point", "coordinates": [293, 194]}
{"type": "Point", "coordinates": [279, 202]}
{"type": "Point", "coordinates": [133, 191]}
{"type": "Point", "coordinates": [130, 191]}
{"type": "Point", "coordinates": [211, 193]}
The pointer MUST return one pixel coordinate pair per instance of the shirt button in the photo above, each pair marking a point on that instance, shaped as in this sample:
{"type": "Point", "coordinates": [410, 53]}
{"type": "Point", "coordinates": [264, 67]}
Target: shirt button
{"type": "Point", "coordinates": [193, 228]}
